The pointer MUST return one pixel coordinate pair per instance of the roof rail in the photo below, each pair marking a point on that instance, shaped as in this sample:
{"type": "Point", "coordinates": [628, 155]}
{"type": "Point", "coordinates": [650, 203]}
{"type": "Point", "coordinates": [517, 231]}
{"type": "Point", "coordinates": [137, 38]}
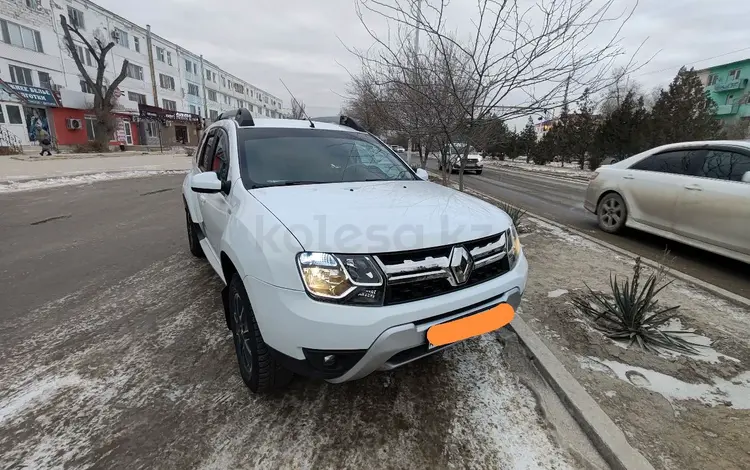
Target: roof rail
{"type": "Point", "coordinates": [341, 120]}
{"type": "Point", "coordinates": [241, 115]}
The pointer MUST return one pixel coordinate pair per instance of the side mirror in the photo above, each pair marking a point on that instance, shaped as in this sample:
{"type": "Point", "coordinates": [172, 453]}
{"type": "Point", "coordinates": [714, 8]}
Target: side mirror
{"type": "Point", "coordinates": [746, 177]}
{"type": "Point", "coordinates": [423, 175]}
{"type": "Point", "coordinates": [206, 182]}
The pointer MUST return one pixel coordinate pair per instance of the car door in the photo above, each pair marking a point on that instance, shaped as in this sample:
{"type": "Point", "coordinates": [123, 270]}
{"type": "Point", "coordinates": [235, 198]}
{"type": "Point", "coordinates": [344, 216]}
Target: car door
{"type": "Point", "coordinates": [215, 207]}
{"type": "Point", "coordinates": [652, 186]}
{"type": "Point", "coordinates": [715, 207]}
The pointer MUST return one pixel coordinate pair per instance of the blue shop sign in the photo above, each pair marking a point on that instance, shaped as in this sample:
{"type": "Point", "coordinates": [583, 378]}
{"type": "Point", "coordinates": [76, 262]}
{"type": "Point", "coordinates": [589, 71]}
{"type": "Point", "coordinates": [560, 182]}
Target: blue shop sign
{"type": "Point", "coordinates": [35, 95]}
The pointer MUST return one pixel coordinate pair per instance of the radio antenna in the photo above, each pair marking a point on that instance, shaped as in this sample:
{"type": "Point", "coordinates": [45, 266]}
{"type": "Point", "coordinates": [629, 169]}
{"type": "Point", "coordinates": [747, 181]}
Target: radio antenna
{"type": "Point", "coordinates": [295, 100]}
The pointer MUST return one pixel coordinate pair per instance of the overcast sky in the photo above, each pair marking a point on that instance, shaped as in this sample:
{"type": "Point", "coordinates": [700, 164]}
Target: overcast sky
{"type": "Point", "coordinates": [298, 40]}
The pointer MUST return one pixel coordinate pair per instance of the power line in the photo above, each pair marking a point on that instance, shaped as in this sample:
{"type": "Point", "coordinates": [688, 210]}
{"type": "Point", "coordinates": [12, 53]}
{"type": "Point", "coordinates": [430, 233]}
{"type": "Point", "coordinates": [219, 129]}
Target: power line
{"type": "Point", "coordinates": [694, 62]}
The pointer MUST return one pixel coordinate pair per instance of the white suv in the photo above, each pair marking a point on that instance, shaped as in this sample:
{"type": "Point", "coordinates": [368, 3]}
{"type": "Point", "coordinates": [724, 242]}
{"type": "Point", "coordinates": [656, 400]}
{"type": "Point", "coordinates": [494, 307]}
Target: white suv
{"type": "Point", "coordinates": [338, 258]}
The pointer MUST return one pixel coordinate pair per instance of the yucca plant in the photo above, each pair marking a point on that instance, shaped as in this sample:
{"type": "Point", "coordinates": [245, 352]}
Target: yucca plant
{"type": "Point", "coordinates": [631, 313]}
{"type": "Point", "coordinates": [516, 213]}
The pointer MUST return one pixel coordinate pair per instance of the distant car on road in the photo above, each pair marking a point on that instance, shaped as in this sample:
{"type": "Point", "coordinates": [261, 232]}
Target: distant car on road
{"type": "Point", "coordinates": [474, 161]}
{"type": "Point", "coordinates": [697, 193]}
{"type": "Point", "coordinates": [308, 225]}
{"type": "Point", "coordinates": [398, 148]}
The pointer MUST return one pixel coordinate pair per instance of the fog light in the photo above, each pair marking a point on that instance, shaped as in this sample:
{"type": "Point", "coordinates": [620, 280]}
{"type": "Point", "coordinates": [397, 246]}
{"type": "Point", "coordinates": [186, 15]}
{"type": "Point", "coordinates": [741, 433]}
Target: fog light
{"type": "Point", "coordinates": [329, 360]}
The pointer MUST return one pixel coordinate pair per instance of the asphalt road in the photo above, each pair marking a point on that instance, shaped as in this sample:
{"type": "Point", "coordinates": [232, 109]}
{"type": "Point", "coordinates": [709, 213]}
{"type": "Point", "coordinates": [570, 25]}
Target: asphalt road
{"type": "Point", "coordinates": [114, 354]}
{"type": "Point", "coordinates": [561, 199]}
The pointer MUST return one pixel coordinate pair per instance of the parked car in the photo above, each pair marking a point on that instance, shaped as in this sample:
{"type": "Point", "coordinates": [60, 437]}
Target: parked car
{"type": "Point", "coordinates": [697, 193]}
{"type": "Point", "coordinates": [339, 259]}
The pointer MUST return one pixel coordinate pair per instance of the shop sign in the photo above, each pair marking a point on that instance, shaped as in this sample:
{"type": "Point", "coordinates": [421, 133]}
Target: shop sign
{"type": "Point", "coordinates": [160, 114]}
{"type": "Point", "coordinates": [34, 95]}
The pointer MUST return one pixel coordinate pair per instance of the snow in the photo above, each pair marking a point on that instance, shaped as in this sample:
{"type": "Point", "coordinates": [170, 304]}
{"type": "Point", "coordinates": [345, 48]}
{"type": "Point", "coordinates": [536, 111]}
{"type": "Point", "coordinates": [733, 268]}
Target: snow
{"type": "Point", "coordinates": [51, 182]}
{"type": "Point", "coordinates": [734, 393]}
{"type": "Point", "coordinates": [556, 293]}
{"type": "Point", "coordinates": [34, 393]}
{"type": "Point", "coordinates": [564, 235]}
{"type": "Point", "coordinates": [550, 168]}
{"type": "Point", "coordinates": [706, 352]}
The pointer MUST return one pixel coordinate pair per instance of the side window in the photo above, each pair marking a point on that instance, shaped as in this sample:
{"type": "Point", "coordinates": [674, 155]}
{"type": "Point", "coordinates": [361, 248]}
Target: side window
{"type": "Point", "coordinates": [207, 152]}
{"type": "Point", "coordinates": [220, 162]}
{"type": "Point", "coordinates": [724, 165]}
{"type": "Point", "coordinates": [677, 162]}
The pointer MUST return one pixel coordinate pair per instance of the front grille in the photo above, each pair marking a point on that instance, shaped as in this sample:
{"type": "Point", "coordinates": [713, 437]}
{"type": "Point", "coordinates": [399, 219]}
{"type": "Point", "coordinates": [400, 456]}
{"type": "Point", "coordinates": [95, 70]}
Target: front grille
{"type": "Point", "coordinates": [421, 274]}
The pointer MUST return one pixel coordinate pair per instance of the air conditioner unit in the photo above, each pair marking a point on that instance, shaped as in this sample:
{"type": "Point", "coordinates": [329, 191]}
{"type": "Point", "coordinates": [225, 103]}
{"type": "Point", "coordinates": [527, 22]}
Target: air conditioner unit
{"type": "Point", "coordinates": [115, 35]}
{"type": "Point", "coordinates": [74, 124]}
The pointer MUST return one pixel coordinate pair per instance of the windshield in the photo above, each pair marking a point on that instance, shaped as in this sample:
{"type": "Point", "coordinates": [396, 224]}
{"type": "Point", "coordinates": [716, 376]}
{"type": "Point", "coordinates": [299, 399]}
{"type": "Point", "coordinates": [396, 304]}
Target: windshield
{"type": "Point", "coordinates": [283, 156]}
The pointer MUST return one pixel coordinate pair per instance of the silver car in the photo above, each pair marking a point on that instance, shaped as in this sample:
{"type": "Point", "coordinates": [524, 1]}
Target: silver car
{"type": "Point", "coordinates": [697, 193]}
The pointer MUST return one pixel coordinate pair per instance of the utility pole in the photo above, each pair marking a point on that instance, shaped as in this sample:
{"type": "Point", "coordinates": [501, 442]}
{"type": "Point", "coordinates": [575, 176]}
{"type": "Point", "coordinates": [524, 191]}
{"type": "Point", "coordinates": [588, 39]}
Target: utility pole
{"type": "Point", "coordinates": [151, 64]}
{"type": "Point", "coordinates": [203, 85]}
{"type": "Point", "coordinates": [418, 9]}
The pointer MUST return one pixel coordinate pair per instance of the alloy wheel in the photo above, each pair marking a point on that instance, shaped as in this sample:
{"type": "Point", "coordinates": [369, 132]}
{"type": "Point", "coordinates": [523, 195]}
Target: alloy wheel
{"type": "Point", "coordinates": [611, 212]}
{"type": "Point", "coordinates": [242, 333]}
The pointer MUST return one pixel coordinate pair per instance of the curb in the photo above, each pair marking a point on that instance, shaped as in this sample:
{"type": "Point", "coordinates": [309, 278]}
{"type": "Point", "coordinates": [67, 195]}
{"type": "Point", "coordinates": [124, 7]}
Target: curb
{"type": "Point", "coordinates": [731, 296]}
{"type": "Point", "coordinates": [604, 434]}
{"type": "Point", "coordinates": [85, 173]}
{"type": "Point", "coordinates": [549, 174]}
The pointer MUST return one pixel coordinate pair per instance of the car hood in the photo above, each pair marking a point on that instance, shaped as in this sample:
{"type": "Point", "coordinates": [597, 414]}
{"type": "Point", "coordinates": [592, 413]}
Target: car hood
{"type": "Point", "coordinates": [379, 217]}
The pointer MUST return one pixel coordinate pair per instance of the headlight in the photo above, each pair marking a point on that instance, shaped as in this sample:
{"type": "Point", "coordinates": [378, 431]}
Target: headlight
{"type": "Point", "coordinates": [349, 279]}
{"type": "Point", "coordinates": [513, 246]}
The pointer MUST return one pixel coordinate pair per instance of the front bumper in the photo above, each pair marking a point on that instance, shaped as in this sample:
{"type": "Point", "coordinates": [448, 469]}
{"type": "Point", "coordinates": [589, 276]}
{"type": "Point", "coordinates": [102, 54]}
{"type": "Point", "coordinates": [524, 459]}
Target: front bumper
{"type": "Point", "coordinates": [300, 331]}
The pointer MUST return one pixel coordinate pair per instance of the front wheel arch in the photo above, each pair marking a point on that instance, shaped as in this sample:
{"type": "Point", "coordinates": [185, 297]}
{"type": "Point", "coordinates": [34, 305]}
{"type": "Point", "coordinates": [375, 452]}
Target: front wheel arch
{"type": "Point", "coordinates": [228, 270]}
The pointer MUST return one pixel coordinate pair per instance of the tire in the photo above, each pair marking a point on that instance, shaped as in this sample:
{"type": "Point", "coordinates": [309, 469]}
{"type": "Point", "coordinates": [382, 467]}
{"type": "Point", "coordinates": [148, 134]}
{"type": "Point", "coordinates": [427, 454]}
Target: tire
{"type": "Point", "coordinates": [192, 233]}
{"type": "Point", "coordinates": [611, 213]}
{"type": "Point", "coordinates": [260, 372]}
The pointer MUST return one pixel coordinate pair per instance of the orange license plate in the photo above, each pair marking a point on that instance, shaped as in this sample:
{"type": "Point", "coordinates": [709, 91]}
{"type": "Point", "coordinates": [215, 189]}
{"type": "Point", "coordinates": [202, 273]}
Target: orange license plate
{"type": "Point", "coordinates": [473, 325]}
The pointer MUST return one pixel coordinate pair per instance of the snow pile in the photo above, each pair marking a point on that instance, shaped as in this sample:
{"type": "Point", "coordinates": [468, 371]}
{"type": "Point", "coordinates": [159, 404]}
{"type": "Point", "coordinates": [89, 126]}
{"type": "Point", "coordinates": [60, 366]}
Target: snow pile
{"type": "Point", "coordinates": [734, 393]}
{"type": "Point", "coordinates": [27, 185]}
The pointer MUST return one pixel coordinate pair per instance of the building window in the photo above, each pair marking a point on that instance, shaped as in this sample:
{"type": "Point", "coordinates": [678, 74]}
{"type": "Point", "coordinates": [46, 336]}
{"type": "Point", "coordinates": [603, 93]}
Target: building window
{"type": "Point", "coordinates": [265, 99]}
{"type": "Point", "coordinates": [137, 97]}
{"type": "Point", "coordinates": [90, 133]}
{"type": "Point", "coordinates": [45, 81]}
{"type": "Point", "coordinates": [192, 89]}
{"type": "Point", "coordinates": [169, 104]}
{"type": "Point", "coordinates": [21, 75]}
{"type": "Point", "coordinates": [121, 38]}
{"type": "Point", "coordinates": [159, 54]}
{"type": "Point", "coordinates": [712, 79]}
{"type": "Point", "coordinates": [240, 104]}
{"type": "Point", "coordinates": [213, 114]}
{"type": "Point", "coordinates": [21, 36]}
{"type": "Point", "coordinates": [267, 113]}
{"type": "Point", "coordinates": [166, 81]}
{"type": "Point", "coordinates": [227, 99]}
{"type": "Point", "coordinates": [2, 116]}
{"type": "Point", "coordinates": [213, 77]}
{"type": "Point", "coordinates": [84, 55]}
{"type": "Point", "coordinates": [137, 44]}
{"type": "Point", "coordinates": [239, 88]}
{"type": "Point", "coordinates": [734, 74]}
{"type": "Point", "coordinates": [32, 3]}
{"type": "Point", "coordinates": [192, 109]}
{"type": "Point", "coordinates": [14, 114]}
{"type": "Point", "coordinates": [208, 75]}
{"type": "Point", "coordinates": [75, 17]}
{"type": "Point", "coordinates": [195, 68]}
{"type": "Point", "coordinates": [135, 71]}
{"type": "Point", "coordinates": [169, 58]}
{"type": "Point", "coordinates": [151, 129]}
{"type": "Point", "coordinates": [86, 88]}
{"type": "Point", "coordinates": [223, 81]}
{"type": "Point", "coordinates": [730, 99]}
{"type": "Point", "coordinates": [212, 95]}
{"type": "Point", "coordinates": [188, 66]}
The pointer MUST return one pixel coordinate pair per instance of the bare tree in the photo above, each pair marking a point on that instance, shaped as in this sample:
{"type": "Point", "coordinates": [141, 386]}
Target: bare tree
{"type": "Point", "coordinates": [104, 95]}
{"type": "Point", "coordinates": [515, 62]}
{"type": "Point", "coordinates": [298, 109]}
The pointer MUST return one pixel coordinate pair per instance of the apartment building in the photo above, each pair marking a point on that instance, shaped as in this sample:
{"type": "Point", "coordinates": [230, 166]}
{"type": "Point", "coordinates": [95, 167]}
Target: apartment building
{"type": "Point", "coordinates": [727, 85]}
{"type": "Point", "coordinates": [166, 95]}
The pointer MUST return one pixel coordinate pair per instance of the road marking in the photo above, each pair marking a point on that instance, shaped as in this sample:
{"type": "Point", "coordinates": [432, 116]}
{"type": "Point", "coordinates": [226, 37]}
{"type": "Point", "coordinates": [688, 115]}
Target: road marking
{"type": "Point", "coordinates": [647, 261]}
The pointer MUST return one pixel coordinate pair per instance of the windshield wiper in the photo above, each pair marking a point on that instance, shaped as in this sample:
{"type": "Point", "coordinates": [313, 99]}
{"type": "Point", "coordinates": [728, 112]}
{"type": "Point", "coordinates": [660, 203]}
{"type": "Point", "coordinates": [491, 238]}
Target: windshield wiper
{"type": "Point", "coordinates": [287, 183]}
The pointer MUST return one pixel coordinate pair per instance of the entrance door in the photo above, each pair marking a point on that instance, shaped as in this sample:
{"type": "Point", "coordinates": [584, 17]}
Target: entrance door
{"type": "Point", "coordinates": [128, 133]}
{"type": "Point", "coordinates": [181, 134]}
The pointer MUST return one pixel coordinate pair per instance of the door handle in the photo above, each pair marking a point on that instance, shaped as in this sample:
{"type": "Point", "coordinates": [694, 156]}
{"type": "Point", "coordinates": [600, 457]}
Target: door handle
{"type": "Point", "coordinates": [693, 187]}
{"type": "Point", "coordinates": [628, 177]}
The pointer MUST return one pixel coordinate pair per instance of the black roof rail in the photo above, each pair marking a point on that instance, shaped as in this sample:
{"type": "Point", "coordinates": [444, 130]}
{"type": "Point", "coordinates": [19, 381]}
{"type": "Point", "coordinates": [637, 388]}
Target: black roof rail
{"type": "Point", "coordinates": [342, 121]}
{"type": "Point", "coordinates": [241, 115]}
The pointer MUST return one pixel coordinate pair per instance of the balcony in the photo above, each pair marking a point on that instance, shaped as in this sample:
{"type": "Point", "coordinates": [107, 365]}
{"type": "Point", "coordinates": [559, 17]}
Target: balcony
{"type": "Point", "coordinates": [726, 109]}
{"type": "Point", "coordinates": [728, 85]}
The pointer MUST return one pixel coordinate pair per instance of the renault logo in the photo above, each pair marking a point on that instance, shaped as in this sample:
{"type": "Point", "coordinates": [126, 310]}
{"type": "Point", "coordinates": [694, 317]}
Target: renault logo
{"type": "Point", "coordinates": [460, 265]}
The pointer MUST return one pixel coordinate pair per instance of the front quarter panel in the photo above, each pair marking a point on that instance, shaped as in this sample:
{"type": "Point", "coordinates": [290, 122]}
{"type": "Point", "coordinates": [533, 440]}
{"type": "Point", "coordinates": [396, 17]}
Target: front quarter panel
{"type": "Point", "coordinates": [260, 246]}
{"type": "Point", "coordinates": [191, 198]}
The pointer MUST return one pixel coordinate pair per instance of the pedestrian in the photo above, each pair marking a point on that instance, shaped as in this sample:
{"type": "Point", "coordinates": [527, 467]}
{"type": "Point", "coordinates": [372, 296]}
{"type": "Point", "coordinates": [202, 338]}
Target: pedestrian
{"type": "Point", "coordinates": [43, 138]}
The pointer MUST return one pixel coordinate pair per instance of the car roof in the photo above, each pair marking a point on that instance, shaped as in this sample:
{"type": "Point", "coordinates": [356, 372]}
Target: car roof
{"type": "Point", "coordinates": [293, 124]}
{"type": "Point", "coordinates": [704, 143]}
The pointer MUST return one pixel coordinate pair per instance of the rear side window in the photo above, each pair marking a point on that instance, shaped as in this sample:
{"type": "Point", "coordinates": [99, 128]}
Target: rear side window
{"type": "Point", "coordinates": [207, 152]}
{"type": "Point", "coordinates": [676, 162]}
{"type": "Point", "coordinates": [724, 165]}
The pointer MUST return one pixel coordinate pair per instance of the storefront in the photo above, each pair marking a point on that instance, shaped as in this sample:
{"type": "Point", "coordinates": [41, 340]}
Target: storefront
{"type": "Point", "coordinates": [168, 128]}
{"type": "Point", "coordinates": [77, 127]}
{"type": "Point", "coordinates": [36, 105]}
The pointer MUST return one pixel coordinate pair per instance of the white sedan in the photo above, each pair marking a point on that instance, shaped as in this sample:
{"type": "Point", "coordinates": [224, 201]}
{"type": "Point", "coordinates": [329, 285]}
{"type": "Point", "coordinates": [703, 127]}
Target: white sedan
{"type": "Point", "coordinates": [697, 193]}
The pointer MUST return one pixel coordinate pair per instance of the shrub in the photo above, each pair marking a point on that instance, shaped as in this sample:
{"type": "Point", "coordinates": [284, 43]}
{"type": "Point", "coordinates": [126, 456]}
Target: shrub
{"type": "Point", "coordinates": [516, 213]}
{"type": "Point", "coordinates": [632, 312]}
